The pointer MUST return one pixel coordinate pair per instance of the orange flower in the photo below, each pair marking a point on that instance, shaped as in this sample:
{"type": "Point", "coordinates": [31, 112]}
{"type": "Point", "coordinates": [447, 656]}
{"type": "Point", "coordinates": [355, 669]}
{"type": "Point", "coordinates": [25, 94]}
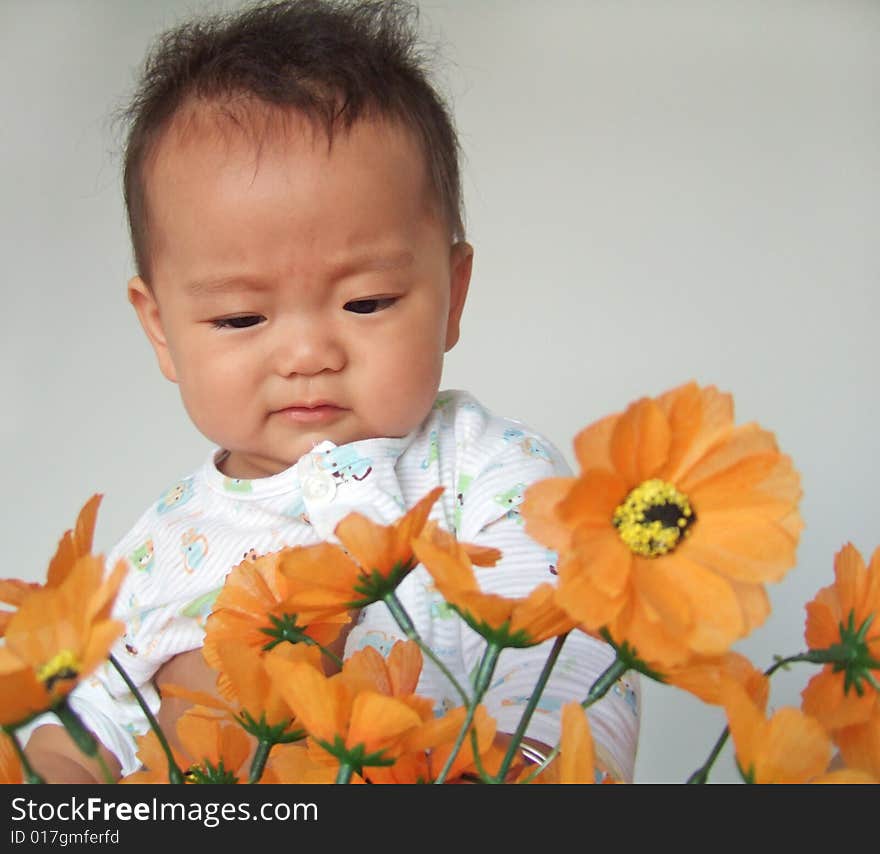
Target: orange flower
{"type": "Point", "coordinates": [74, 544]}
{"type": "Point", "coordinates": [504, 621]}
{"type": "Point", "coordinates": [57, 636]}
{"type": "Point", "coordinates": [215, 750]}
{"type": "Point", "coordinates": [10, 765]}
{"type": "Point", "coordinates": [790, 747]}
{"type": "Point", "coordinates": [395, 676]}
{"type": "Point", "coordinates": [253, 609]}
{"type": "Point", "coordinates": [350, 723]}
{"type": "Point", "coordinates": [845, 617]}
{"type": "Point", "coordinates": [423, 751]}
{"type": "Point", "coordinates": [379, 558]}
{"type": "Point", "coordinates": [252, 697]}
{"type": "Point", "coordinates": [676, 522]}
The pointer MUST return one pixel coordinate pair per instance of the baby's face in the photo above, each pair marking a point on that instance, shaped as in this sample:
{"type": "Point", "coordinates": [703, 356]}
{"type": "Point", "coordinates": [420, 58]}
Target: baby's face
{"type": "Point", "coordinates": [300, 293]}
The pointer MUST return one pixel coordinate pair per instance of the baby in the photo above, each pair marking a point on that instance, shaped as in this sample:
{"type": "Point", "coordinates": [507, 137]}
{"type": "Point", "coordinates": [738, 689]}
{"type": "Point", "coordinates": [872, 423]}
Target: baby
{"type": "Point", "coordinates": [293, 192]}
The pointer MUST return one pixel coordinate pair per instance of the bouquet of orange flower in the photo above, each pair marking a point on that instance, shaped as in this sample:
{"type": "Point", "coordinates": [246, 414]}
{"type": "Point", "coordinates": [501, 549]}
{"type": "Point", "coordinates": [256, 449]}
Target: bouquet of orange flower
{"type": "Point", "coordinates": [665, 539]}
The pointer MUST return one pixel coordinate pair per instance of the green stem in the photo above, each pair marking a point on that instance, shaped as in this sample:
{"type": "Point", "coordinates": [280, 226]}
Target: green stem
{"type": "Point", "coordinates": [329, 653]}
{"type": "Point", "coordinates": [402, 618]}
{"type": "Point", "coordinates": [344, 773]}
{"type": "Point", "coordinates": [258, 763]}
{"type": "Point", "coordinates": [482, 773]}
{"type": "Point", "coordinates": [605, 680]}
{"type": "Point", "coordinates": [529, 710]}
{"type": "Point", "coordinates": [175, 775]}
{"type": "Point", "coordinates": [598, 690]}
{"type": "Point", "coordinates": [30, 776]}
{"type": "Point", "coordinates": [481, 683]}
{"type": "Point", "coordinates": [82, 738]}
{"type": "Point", "coordinates": [701, 775]}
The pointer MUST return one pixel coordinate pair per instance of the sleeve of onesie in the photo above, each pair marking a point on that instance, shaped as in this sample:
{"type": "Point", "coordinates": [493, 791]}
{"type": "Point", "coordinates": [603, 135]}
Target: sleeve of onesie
{"type": "Point", "coordinates": [490, 517]}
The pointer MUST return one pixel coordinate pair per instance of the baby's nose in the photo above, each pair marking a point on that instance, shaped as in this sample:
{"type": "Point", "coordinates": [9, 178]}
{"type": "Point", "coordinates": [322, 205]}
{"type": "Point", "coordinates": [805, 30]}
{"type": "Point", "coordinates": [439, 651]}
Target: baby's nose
{"type": "Point", "coordinates": [308, 347]}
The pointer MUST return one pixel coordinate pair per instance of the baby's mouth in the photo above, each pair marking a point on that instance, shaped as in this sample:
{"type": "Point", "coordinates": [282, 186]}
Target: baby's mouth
{"type": "Point", "coordinates": [317, 412]}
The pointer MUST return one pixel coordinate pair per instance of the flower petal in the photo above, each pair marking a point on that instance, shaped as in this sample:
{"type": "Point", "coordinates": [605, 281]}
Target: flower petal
{"type": "Point", "coordinates": [824, 699]}
{"type": "Point", "coordinates": [74, 544]}
{"type": "Point", "coordinates": [592, 445]}
{"type": "Point", "coordinates": [694, 602]}
{"type": "Point", "coordinates": [603, 557]}
{"type": "Point", "coordinates": [538, 509]}
{"type": "Point", "coordinates": [320, 703]}
{"type": "Point", "coordinates": [795, 749]}
{"type": "Point", "coordinates": [377, 721]}
{"type": "Point", "coordinates": [586, 603]}
{"type": "Point", "coordinates": [699, 419]}
{"type": "Point", "coordinates": [641, 441]}
{"type": "Point", "coordinates": [822, 629]}
{"type": "Point", "coordinates": [743, 547]}
{"type": "Point", "coordinates": [404, 667]}
{"type": "Point", "coordinates": [860, 745]}
{"type": "Point", "coordinates": [540, 617]}
{"type": "Point", "coordinates": [321, 576]}
{"type": "Point", "coordinates": [592, 500]}
{"type": "Point", "coordinates": [576, 758]}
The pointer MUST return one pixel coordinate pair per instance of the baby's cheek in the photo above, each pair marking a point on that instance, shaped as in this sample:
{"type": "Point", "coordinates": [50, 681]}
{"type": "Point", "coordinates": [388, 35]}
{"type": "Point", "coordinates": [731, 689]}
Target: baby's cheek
{"type": "Point", "coordinates": [412, 381]}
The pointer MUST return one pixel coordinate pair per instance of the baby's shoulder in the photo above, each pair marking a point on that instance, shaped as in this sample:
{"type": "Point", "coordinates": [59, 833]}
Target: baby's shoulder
{"type": "Point", "coordinates": [481, 435]}
{"type": "Point", "coordinates": [137, 544]}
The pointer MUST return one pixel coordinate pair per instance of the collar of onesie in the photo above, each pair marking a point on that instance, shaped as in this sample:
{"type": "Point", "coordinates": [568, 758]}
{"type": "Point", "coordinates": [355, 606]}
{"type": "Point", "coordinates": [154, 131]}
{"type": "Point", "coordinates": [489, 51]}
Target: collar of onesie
{"type": "Point", "coordinates": [331, 480]}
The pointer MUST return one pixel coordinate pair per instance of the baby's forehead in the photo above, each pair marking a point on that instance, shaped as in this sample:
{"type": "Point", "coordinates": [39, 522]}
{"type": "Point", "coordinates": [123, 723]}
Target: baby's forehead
{"type": "Point", "coordinates": [245, 125]}
{"type": "Point", "coordinates": [207, 139]}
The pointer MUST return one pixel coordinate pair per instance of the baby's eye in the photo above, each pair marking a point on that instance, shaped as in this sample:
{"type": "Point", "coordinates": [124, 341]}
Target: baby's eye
{"type": "Point", "coordinates": [369, 306]}
{"type": "Point", "coordinates": [242, 322]}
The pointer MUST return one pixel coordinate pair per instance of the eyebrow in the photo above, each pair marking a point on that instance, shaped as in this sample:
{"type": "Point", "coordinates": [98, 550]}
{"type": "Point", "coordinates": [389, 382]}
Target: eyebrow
{"type": "Point", "coordinates": [225, 285]}
{"type": "Point", "coordinates": [372, 263]}
{"type": "Point", "coordinates": [367, 263]}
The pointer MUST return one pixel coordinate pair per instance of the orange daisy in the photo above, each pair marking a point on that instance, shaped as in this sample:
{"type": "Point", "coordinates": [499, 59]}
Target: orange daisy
{"type": "Point", "coordinates": [790, 747]}
{"type": "Point", "coordinates": [424, 751]}
{"type": "Point", "coordinates": [375, 559]}
{"type": "Point", "coordinates": [506, 622]}
{"type": "Point", "coordinates": [74, 544]}
{"type": "Point", "coordinates": [58, 636]}
{"type": "Point", "coordinates": [253, 609]}
{"type": "Point", "coordinates": [214, 750]}
{"type": "Point", "coordinates": [844, 620]}
{"type": "Point", "coordinates": [394, 676]}
{"type": "Point", "coordinates": [249, 695]}
{"type": "Point", "coordinates": [351, 724]}
{"type": "Point", "coordinates": [676, 521]}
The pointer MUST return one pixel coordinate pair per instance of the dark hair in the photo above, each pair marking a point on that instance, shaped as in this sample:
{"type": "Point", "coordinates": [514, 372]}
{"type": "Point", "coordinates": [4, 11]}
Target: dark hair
{"type": "Point", "coordinates": [333, 62]}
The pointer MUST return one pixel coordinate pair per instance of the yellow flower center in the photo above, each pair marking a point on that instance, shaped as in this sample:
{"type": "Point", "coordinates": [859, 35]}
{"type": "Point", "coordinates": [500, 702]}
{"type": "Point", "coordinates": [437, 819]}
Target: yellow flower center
{"type": "Point", "coordinates": [65, 665]}
{"type": "Point", "coordinates": [654, 518]}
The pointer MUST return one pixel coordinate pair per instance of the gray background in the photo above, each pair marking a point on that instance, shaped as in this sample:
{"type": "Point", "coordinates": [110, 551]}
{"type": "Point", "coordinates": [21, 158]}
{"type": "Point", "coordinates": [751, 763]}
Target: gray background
{"type": "Point", "coordinates": [657, 191]}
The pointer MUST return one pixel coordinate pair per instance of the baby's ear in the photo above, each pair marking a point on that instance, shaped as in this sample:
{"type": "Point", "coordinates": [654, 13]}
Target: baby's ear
{"type": "Point", "coordinates": [461, 260]}
{"type": "Point", "coordinates": [144, 301]}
